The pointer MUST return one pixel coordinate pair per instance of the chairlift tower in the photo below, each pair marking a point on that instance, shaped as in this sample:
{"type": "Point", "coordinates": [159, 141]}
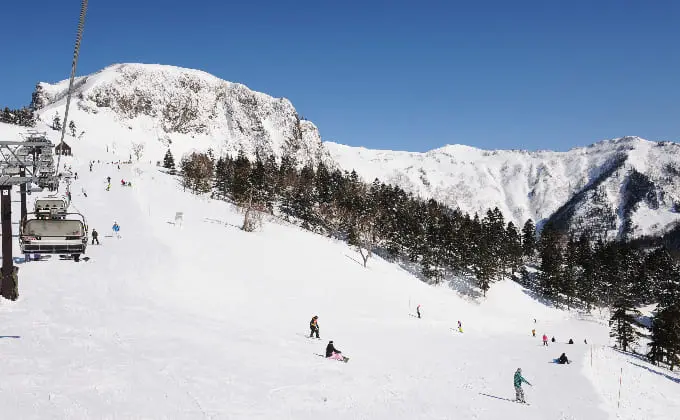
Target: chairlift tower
{"type": "Point", "coordinates": [21, 163]}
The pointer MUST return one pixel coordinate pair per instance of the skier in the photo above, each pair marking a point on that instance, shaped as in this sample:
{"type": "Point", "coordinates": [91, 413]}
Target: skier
{"type": "Point", "coordinates": [460, 326]}
{"type": "Point", "coordinates": [585, 341]}
{"type": "Point", "coordinates": [563, 359]}
{"type": "Point", "coordinates": [95, 236]}
{"type": "Point", "coordinates": [116, 229]}
{"type": "Point", "coordinates": [122, 182]}
{"type": "Point", "coordinates": [519, 392]}
{"type": "Point", "coordinates": [545, 340]}
{"type": "Point", "coordinates": [335, 354]}
{"type": "Point", "coordinates": [108, 179]}
{"type": "Point", "coordinates": [83, 191]}
{"type": "Point", "coordinates": [533, 332]}
{"type": "Point", "coordinates": [418, 310]}
{"type": "Point", "coordinates": [314, 327]}
{"type": "Point", "coordinates": [90, 166]}
{"type": "Point", "coordinates": [76, 174]}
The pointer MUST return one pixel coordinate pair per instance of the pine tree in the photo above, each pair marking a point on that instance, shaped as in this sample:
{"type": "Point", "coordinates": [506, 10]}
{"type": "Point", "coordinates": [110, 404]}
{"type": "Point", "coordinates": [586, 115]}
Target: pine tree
{"type": "Point", "coordinates": [551, 256]}
{"type": "Point", "coordinates": [570, 272]}
{"type": "Point", "coordinates": [56, 122]}
{"type": "Point", "coordinates": [584, 271]}
{"type": "Point", "coordinates": [529, 239]}
{"type": "Point", "coordinates": [665, 336]}
{"type": "Point", "coordinates": [37, 98]}
{"type": "Point", "coordinates": [241, 184]}
{"type": "Point", "coordinates": [512, 248]}
{"type": "Point", "coordinates": [623, 323]}
{"type": "Point", "coordinates": [6, 116]}
{"type": "Point", "coordinates": [169, 161]}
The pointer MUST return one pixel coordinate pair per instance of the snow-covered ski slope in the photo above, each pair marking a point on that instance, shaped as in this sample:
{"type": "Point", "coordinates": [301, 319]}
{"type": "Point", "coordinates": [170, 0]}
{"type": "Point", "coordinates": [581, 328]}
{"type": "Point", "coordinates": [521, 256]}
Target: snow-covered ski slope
{"type": "Point", "coordinates": [203, 320]}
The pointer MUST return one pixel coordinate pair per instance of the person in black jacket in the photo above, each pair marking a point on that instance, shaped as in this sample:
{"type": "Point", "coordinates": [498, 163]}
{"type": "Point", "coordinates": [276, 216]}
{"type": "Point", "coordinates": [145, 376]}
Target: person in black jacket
{"type": "Point", "coordinates": [563, 359]}
{"type": "Point", "coordinates": [314, 327]}
{"type": "Point", "coordinates": [95, 236]}
{"type": "Point", "coordinates": [333, 353]}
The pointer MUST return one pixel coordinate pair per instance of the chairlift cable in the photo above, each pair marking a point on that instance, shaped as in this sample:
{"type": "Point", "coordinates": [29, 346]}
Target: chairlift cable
{"type": "Point", "coordinates": [74, 64]}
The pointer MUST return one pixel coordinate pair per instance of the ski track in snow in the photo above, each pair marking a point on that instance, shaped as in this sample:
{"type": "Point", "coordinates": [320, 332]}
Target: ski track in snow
{"type": "Point", "coordinates": [203, 320]}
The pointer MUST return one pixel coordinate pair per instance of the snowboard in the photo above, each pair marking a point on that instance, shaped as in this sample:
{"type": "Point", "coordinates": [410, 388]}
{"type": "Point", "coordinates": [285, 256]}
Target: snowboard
{"type": "Point", "coordinates": [345, 358]}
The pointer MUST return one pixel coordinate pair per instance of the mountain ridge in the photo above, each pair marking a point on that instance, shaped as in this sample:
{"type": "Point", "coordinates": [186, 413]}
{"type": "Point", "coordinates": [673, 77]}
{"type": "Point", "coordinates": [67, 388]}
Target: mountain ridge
{"type": "Point", "coordinates": [593, 187]}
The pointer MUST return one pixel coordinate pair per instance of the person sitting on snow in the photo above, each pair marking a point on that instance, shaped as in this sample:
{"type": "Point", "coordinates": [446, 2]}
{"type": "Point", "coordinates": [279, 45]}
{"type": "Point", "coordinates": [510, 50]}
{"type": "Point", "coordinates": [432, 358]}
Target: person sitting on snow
{"type": "Point", "coordinates": [563, 359]}
{"type": "Point", "coordinates": [571, 341]}
{"type": "Point", "coordinates": [333, 353]}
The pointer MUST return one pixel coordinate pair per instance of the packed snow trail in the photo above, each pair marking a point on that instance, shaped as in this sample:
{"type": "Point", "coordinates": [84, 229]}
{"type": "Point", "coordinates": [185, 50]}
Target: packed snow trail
{"type": "Point", "coordinates": [207, 321]}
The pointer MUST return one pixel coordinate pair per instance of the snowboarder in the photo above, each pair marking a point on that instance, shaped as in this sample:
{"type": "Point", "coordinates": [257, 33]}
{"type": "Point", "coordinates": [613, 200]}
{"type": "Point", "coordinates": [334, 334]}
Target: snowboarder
{"type": "Point", "coordinates": [533, 332]}
{"type": "Point", "coordinates": [116, 229]}
{"type": "Point", "coordinates": [571, 341]}
{"type": "Point", "coordinates": [314, 327]}
{"type": "Point", "coordinates": [460, 326]}
{"type": "Point", "coordinates": [95, 236]}
{"type": "Point", "coordinates": [335, 354]}
{"type": "Point", "coordinates": [108, 179]}
{"type": "Point", "coordinates": [418, 310]}
{"type": "Point", "coordinates": [518, 380]}
{"type": "Point", "coordinates": [563, 359]}
{"type": "Point", "coordinates": [545, 340]}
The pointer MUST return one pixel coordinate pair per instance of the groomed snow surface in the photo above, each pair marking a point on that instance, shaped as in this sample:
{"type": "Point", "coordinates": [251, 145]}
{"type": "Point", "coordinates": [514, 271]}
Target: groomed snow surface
{"type": "Point", "coordinates": [204, 320]}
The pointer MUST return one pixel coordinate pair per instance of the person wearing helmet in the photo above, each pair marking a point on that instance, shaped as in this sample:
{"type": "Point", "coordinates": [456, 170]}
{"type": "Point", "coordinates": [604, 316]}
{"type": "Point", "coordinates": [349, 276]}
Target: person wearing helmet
{"type": "Point", "coordinates": [333, 353]}
{"type": "Point", "coordinates": [518, 380]}
{"type": "Point", "coordinates": [314, 327]}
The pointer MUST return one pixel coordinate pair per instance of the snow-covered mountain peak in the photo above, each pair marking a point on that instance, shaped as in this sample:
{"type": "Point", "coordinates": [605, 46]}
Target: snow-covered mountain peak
{"type": "Point", "coordinates": [618, 187]}
{"type": "Point", "coordinates": [188, 109]}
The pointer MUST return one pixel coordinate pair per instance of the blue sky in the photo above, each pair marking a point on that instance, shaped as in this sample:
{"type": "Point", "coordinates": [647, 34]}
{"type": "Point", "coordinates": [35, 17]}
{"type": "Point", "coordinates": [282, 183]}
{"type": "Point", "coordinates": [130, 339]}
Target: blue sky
{"type": "Point", "coordinates": [405, 75]}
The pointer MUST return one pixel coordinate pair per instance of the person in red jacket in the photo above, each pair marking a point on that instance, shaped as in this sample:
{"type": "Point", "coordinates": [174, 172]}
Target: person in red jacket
{"type": "Point", "coordinates": [545, 340]}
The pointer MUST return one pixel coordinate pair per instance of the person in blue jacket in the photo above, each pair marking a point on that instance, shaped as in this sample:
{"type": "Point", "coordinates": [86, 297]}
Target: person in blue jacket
{"type": "Point", "coordinates": [116, 229]}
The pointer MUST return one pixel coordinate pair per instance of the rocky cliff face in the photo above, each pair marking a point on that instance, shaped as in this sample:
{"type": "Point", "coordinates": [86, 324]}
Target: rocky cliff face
{"type": "Point", "coordinates": [187, 108]}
